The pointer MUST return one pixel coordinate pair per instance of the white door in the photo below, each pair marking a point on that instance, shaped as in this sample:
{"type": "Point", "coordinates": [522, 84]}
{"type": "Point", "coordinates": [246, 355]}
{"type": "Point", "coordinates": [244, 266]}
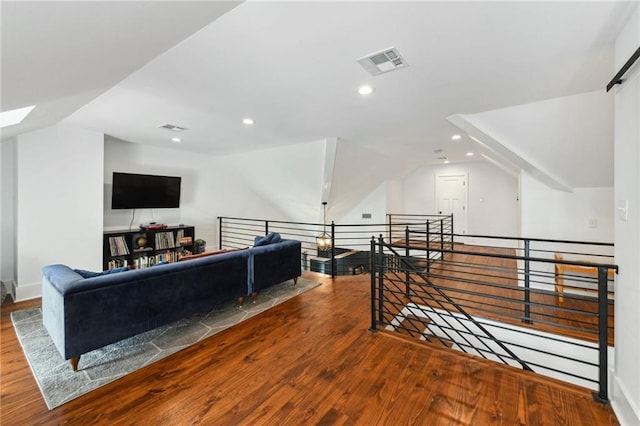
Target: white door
{"type": "Point", "coordinates": [451, 197]}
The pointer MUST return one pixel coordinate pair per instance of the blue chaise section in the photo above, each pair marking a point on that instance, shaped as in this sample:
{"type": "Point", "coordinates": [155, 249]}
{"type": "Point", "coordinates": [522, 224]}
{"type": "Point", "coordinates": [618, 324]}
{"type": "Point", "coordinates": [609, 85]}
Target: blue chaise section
{"type": "Point", "coordinates": [275, 263]}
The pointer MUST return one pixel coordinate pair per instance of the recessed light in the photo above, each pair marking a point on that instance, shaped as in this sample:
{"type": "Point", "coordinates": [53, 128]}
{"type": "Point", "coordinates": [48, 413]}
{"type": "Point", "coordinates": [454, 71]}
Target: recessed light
{"type": "Point", "coordinates": [446, 161]}
{"type": "Point", "coordinates": [248, 121]}
{"type": "Point", "coordinates": [469, 154]}
{"type": "Point", "coordinates": [15, 116]}
{"type": "Point", "coordinates": [176, 140]}
{"type": "Point", "coordinates": [456, 137]}
{"type": "Point", "coordinates": [365, 90]}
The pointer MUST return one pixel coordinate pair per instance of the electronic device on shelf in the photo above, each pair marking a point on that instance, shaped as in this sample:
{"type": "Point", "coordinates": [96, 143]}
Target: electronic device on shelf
{"type": "Point", "coordinates": [153, 225]}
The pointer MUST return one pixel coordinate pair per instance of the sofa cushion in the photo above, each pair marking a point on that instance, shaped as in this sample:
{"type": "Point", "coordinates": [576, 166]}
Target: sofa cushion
{"type": "Point", "coordinates": [91, 274]}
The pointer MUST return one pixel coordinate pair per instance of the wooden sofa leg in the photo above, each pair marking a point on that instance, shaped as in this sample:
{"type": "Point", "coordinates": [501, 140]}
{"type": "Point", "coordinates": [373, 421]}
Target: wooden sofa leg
{"type": "Point", "coordinates": [74, 363]}
{"type": "Point", "coordinates": [254, 296]}
{"type": "Point", "coordinates": [240, 301]}
{"type": "Point", "coordinates": [295, 281]}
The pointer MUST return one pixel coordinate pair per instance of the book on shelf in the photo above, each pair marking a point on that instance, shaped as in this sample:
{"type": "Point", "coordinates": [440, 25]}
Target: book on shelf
{"type": "Point", "coordinates": [118, 246]}
{"type": "Point", "coordinates": [164, 240]}
{"type": "Point", "coordinates": [117, 263]}
{"type": "Point", "coordinates": [169, 256]}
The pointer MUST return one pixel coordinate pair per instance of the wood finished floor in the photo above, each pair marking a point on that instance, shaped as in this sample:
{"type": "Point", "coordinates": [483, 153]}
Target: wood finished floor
{"type": "Point", "coordinates": [308, 361]}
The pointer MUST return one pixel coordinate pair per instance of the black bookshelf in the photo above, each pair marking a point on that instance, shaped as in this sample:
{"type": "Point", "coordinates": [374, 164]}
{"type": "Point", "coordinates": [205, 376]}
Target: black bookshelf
{"type": "Point", "coordinates": [142, 248]}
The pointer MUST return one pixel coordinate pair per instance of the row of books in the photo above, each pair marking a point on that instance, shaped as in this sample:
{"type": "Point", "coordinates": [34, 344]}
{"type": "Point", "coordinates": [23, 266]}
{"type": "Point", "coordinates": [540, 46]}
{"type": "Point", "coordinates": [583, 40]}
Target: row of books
{"type": "Point", "coordinates": [117, 263]}
{"type": "Point", "coordinates": [118, 246]}
{"type": "Point", "coordinates": [144, 261]}
{"type": "Point", "coordinates": [164, 240]}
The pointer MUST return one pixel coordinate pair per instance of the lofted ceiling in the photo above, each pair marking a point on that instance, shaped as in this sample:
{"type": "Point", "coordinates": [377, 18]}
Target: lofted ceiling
{"type": "Point", "coordinates": [126, 68]}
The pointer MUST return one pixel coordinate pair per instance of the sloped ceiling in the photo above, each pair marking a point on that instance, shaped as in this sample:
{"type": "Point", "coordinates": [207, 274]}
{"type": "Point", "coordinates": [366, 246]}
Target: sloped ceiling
{"type": "Point", "coordinates": [291, 66]}
{"type": "Point", "coordinates": [61, 55]}
{"type": "Point", "coordinates": [567, 142]}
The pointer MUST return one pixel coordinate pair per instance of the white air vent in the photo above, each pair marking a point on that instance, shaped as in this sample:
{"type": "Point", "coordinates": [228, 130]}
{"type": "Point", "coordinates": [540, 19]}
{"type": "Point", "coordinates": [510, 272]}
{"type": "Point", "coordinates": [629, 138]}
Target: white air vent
{"type": "Point", "coordinates": [383, 61]}
{"type": "Point", "coordinates": [173, 128]}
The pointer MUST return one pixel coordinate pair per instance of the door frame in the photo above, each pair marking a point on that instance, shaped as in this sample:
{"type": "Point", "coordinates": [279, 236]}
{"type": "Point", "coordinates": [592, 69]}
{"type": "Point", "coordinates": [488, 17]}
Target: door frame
{"type": "Point", "coordinates": [465, 196]}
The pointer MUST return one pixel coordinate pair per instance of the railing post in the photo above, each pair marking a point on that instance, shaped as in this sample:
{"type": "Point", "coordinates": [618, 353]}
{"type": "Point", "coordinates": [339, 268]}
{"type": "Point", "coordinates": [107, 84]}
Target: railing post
{"type": "Point", "coordinates": [603, 335]}
{"type": "Point", "coordinates": [527, 295]}
{"type": "Point", "coordinates": [442, 239]}
{"type": "Point", "coordinates": [390, 223]}
{"type": "Point", "coordinates": [372, 268]}
{"type": "Point", "coordinates": [406, 254]}
{"type": "Point", "coordinates": [451, 231]}
{"type": "Point", "coordinates": [382, 266]}
{"type": "Point", "coordinates": [428, 251]}
{"type": "Point", "coordinates": [219, 232]}
{"type": "Point", "coordinates": [333, 250]}
{"type": "Point", "coordinates": [266, 227]}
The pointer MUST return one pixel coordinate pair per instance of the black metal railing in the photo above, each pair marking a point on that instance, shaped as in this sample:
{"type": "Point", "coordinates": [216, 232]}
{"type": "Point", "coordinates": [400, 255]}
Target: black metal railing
{"type": "Point", "coordinates": [349, 253]}
{"type": "Point", "coordinates": [537, 304]}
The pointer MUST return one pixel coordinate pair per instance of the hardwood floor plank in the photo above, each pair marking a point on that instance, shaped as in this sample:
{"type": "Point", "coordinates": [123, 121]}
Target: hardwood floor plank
{"type": "Point", "coordinates": [310, 360]}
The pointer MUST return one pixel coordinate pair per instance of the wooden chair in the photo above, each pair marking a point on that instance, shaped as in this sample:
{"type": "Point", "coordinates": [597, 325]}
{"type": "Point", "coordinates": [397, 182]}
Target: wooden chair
{"type": "Point", "coordinates": [561, 269]}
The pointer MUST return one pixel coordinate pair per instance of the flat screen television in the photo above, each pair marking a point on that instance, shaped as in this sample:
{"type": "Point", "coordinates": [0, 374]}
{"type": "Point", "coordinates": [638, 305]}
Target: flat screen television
{"type": "Point", "coordinates": [136, 191]}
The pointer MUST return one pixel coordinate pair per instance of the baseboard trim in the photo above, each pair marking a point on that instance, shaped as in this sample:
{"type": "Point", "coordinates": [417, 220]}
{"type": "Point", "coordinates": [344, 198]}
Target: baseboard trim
{"type": "Point", "coordinates": [27, 291]}
{"type": "Point", "coordinates": [10, 288]}
{"type": "Point", "coordinates": [626, 411]}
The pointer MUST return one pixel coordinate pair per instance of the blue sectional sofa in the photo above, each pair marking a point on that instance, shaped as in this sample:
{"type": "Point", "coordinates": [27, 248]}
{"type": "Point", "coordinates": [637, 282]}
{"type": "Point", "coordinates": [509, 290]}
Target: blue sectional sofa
{"type": "Point", "coordinates": [83, 314]}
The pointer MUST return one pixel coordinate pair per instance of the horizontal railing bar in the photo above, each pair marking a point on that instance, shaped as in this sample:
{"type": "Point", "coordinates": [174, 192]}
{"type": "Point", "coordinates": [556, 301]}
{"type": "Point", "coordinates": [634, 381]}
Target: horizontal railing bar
{"type": "Point", "coordinates": [508, 300]}
{"type": "Point", "coordinates": [539, 317]}
{"type": "Point", "coordinates": [479, 320]}
{"type": "Point", "coordinates": [541, 240]}
{"type": "Point", "coordinates": [520, 318]}
{"type": "Point", "coordinates": [481, 351]}
{"type": "Point", "coordinates": [503, 298]}
{"type": "Point", "coordinates": [507, 256]}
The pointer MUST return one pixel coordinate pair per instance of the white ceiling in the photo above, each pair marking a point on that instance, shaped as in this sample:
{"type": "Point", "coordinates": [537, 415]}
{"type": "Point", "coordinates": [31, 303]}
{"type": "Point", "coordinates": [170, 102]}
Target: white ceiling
{"type": "Point", "coordinates": [291, 66]}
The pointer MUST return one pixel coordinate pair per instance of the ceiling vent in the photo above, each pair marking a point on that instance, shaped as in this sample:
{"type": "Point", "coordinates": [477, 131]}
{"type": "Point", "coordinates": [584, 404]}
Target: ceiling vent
{"type": "Point", "coordinates": [383, 61]}
{"type": "Point", "coordinates": [173, 128]}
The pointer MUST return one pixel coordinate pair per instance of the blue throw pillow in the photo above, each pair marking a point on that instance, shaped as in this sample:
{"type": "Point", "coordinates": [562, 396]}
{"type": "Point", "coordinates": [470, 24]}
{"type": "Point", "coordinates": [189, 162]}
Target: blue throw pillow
{"type": "Point", "coordinates": [271, 238]}
{"type": "Point", "coordinates": [91, 274]}
{"type": "Point", "coordinates": [260, 241]}
{"type": "Point", "coordinates": [275, 238]}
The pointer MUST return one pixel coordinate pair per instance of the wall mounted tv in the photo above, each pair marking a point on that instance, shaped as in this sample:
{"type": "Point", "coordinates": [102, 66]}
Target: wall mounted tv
{"type": "Point", "coordinates": [135, 191]}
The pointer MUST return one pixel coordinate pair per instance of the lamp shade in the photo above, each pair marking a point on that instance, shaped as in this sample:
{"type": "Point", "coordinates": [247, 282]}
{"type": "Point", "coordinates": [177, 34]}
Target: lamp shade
{"type": "Point", "coordinates": [323, 241]}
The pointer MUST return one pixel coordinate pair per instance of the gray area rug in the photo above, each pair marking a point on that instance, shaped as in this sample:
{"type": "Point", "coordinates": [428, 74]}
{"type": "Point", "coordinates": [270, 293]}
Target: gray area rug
{"type": "Point", "coordinates": [58, 384]}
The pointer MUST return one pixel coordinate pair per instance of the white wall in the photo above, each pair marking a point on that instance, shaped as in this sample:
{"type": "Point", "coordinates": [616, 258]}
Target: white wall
{"type": "Point", "coordinates": [279, 184]}
{"type": "Point", "coordinates": [208, 188]}
{"type": "Point", "coordinates": [59, 203]}
{"type": "Point", "coordinates": [359, 171]}
{"type": "Point", "coordinates": [289, 177]}
{"type": "Point", "coordinates": [569, 138]}
{"type": "Point", "coordinates": [626, 382]}
{"type": "Point", "coordinates": [375, 203]}
{"type": "Point", "coordinates": [493, 196]}
{"type": "Point", "coordinates": [554, 214]}
{"type": "Point", "coordinates": [7, 213]}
